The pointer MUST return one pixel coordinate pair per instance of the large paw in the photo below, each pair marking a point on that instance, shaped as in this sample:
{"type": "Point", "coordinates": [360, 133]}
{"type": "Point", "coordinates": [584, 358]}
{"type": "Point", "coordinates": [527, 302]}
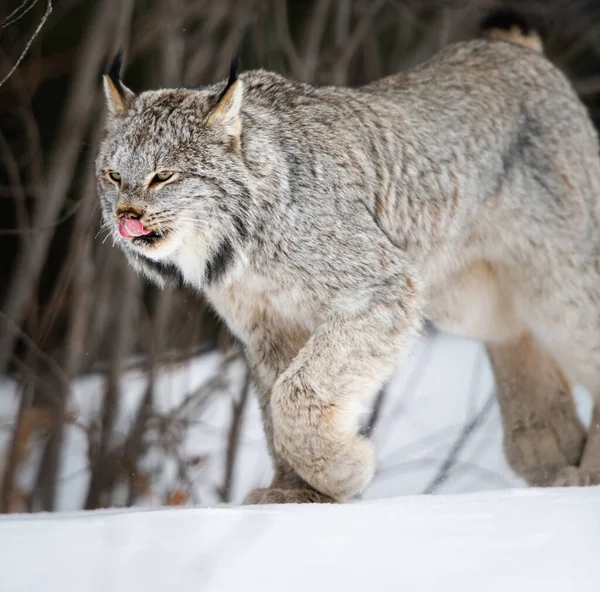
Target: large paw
{"type": "Point", "coordinates": [337, 469]}
{"type": "Point", "coordinates": [315, 432]}
{"type": "Point", "coordinates": [287, 496]}
{"type": "Point", "coordinates": [577, 477]}
{"type": "Point", "coordinates": [538, 453]}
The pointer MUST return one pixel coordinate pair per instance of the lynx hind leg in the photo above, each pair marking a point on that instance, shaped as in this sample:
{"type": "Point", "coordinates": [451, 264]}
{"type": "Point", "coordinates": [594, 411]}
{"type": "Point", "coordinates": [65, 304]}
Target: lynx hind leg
{"type": "Point", "coordinates": [543, 436]}
{"type": "Point", "coordinates": [588, 471]}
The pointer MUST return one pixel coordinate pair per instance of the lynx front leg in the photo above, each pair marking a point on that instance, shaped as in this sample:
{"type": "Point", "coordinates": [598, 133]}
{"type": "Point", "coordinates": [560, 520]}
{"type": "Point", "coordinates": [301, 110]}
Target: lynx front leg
{"type": "Point", "coordinates": [270, 353]}
{"type": "Point", "coordinates": [316, 402]}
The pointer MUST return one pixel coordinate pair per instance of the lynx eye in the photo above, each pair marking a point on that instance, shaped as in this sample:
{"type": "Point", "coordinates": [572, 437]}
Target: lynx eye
{"type": "Point", "coordinates": [114, 176]}
{"type": "Point", "coordinates": [160, 177]}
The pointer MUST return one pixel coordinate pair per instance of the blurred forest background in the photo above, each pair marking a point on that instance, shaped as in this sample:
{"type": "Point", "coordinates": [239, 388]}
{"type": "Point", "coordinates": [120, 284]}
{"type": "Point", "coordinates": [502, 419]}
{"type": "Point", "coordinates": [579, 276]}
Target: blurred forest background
{"type": "Point", "coordinates": [70, 308]}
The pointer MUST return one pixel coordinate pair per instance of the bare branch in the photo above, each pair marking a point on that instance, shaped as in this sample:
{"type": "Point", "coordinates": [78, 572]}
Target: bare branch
{"type": "Point", "coordinates": [52, 363]}
{"type": "Point", "coordinates": [285, 38]}
{"type": "Point", "coordinates": [359, 33]}
{"type": "Point", "coordinates": [26, 229]}
{"type": "Point", "coordinates": [375, 413]}
{"type": "Point", "coordinates": [75, 123]}
{"type": "Point", "coordinates": [31, 40]}
{"type": "Point", "coordinates": [459, 444]}
{"type": "Point", "coordinates": [233, 439]}
{"type": "Point", "coordinates": [314, 31]}
{"type": "Point", "coordinates": [14, 177]}
{"type": "Point", "coordinates": [172, 43]}
{"type": "Point", "coordinates": [15, 15]}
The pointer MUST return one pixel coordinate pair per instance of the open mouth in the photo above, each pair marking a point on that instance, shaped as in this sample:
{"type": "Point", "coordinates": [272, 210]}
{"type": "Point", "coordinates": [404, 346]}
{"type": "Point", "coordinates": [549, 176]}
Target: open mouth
{"type": "Point", "coordinates": [150, 238]}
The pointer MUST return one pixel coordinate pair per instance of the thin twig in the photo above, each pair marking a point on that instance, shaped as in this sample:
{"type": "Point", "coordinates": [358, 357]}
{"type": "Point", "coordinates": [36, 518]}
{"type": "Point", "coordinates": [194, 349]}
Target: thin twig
{"type": "Point", "coordinates": [52, 364]}
{"type": "Point", "coordinates": [367, 431]}
{"type": "Point", "coordinates": [18, 231]}
{"type": "Point", "coordinates": [233, 439]}
{"type": "Point", "coordinates": [282, 27]}
{"type": "Point", "coordinates": [314, 31]}
{"type": "Point", "coordinates": [13, 17]}
{"type": "Point", "coordinates": [12, 170]}
{"type": "Point", "coordinates": [31, 40]}
{"type": "Point", "coordinates": [359, 33]}
{"type": "Point", "coordinates": [464, 436]}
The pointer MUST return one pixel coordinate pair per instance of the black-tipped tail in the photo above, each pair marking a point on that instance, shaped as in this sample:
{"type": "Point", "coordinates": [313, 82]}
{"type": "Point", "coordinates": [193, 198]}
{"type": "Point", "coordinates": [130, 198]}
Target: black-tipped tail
{"type": "Point", "coordinates": [508, 25]}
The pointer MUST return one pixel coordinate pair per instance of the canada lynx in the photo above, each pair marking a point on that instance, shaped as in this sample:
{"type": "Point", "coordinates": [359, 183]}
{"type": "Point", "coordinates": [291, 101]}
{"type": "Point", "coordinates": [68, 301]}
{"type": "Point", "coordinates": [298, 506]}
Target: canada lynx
{"type": "Point", "coordinates": [324, 224]}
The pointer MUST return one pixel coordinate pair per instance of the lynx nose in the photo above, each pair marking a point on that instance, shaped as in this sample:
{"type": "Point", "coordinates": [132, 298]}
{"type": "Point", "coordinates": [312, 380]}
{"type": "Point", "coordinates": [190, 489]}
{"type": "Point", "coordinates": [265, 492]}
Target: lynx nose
{"type": "Point", "coordinates": [129, 212]}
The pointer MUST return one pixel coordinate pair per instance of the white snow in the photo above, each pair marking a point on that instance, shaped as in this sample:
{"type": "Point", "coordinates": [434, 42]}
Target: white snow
{"type": "Point", "coordinates": [519, 540]}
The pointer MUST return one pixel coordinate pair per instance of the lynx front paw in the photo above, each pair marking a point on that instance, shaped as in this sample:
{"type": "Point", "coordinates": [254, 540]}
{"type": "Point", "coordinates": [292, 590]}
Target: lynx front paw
{"type": "Point", "coordinates": [287, 496]}
{"type": "Point", "coordinates": [577, 477]}
{"type": "Point", "coordinates": [339, 470]}
{"type": "Point", "coordinates": [317, 438]}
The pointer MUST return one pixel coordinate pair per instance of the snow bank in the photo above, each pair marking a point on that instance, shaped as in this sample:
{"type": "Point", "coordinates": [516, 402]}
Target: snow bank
{"type": "Point", "coordinates": [517, 540]}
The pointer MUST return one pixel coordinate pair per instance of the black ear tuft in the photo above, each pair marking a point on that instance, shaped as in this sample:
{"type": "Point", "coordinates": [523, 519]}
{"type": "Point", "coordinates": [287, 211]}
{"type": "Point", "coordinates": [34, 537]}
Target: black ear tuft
{"type": "Point", "coordinates": [118, 96]}
{"type": "Point", "coordinates": [114, 71]}
{"type": "Point", "coordinates": [234, 70]}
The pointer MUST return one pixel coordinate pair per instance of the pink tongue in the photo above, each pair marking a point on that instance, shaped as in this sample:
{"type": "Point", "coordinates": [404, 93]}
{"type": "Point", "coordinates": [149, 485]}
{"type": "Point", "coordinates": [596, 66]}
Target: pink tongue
{"type": "Point", "coordinates": [130, 227]}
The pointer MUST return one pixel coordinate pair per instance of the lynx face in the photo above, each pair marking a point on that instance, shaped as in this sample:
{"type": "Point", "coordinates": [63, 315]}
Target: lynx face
{"type": "Point", "coordinates": [170, 178]}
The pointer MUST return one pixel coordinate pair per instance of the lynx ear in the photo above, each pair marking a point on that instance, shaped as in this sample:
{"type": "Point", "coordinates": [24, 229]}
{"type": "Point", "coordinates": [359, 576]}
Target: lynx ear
{"type": "Point", "coordinates": [118, 96]}
{"type": "Point", "coordinates": [227, 111]}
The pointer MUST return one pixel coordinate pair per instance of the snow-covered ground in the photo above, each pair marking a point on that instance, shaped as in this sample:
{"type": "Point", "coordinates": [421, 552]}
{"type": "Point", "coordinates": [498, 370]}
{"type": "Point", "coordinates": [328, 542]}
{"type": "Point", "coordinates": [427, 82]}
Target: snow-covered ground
{"type": "Point", "coordinates": [517, 541]}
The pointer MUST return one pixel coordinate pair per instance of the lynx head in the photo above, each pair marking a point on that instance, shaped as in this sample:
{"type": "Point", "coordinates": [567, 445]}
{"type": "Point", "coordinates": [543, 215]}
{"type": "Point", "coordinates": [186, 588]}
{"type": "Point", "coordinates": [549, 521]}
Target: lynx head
{"type": "Point", "coordinates": [171, 178]}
